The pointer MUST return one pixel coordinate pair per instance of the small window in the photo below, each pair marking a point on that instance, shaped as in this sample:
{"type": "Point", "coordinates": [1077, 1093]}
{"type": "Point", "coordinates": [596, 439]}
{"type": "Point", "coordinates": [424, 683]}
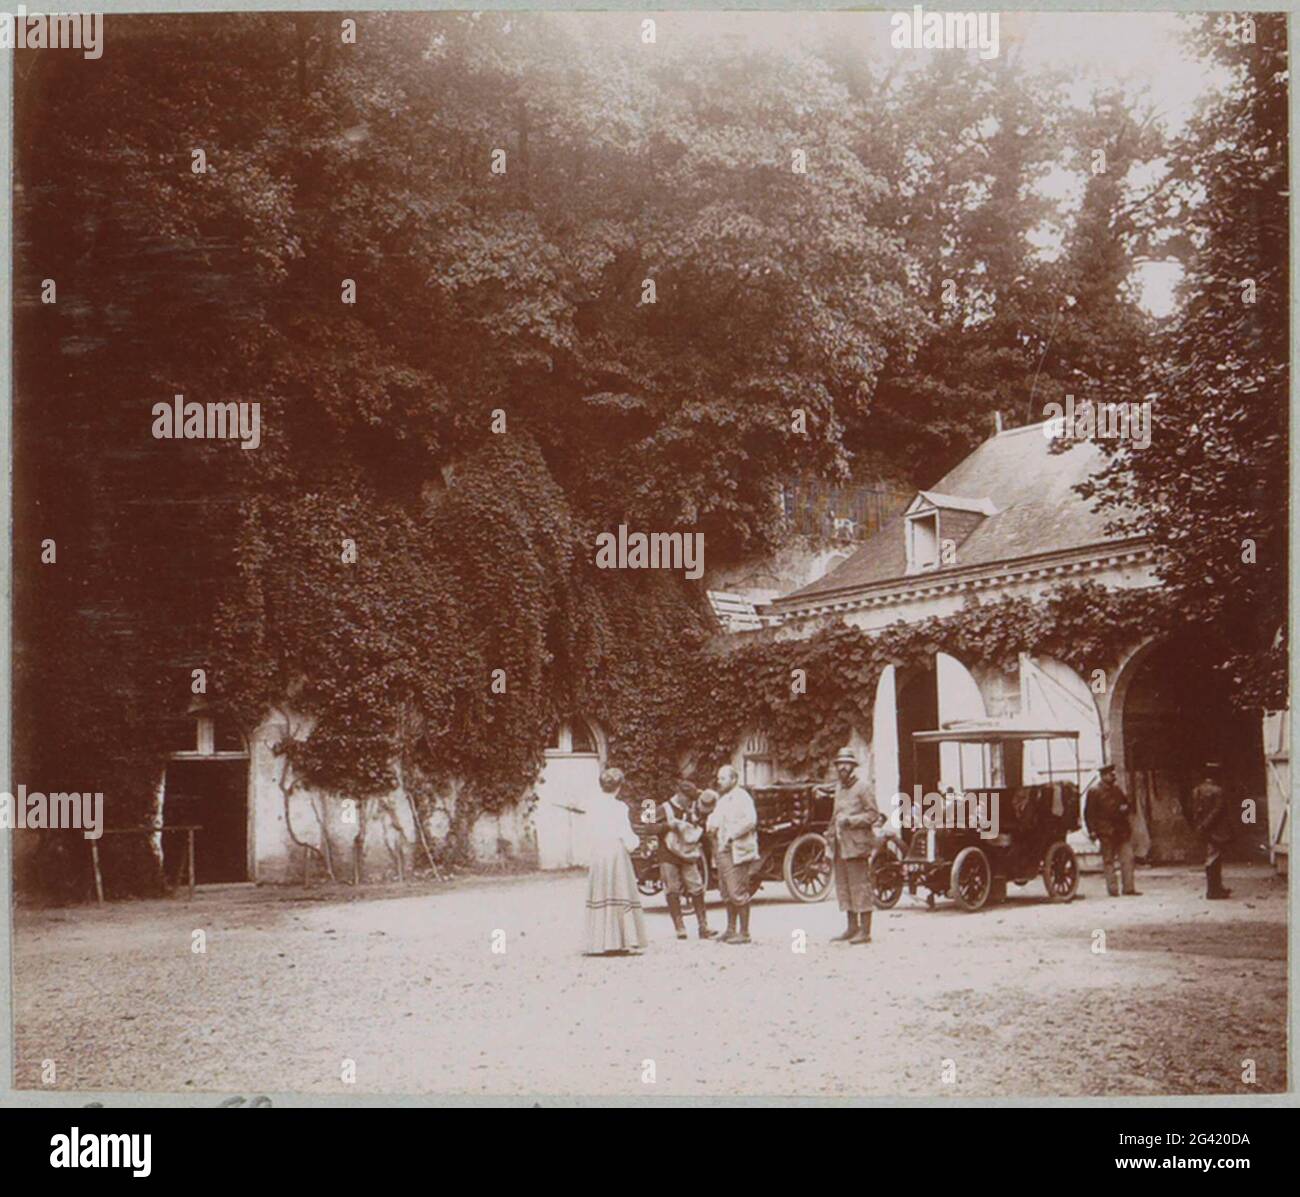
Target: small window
{"type": "Point", "coordinates": [923, 541]}
{"type": "Point", "coordinates": [574, 735]}
{"type": "Point", "coordinates": [182, 734]}
{"type": "Point", "coordinates": [759, 771]}
{"type": "Point", "coordinates": [226, 736]}
{"type": "Point", "coordinates": [582, 738]}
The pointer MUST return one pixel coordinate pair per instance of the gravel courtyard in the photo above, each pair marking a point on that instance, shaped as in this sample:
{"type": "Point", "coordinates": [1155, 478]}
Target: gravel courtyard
{"type": "Point", "coordinates": [1010, 1001]}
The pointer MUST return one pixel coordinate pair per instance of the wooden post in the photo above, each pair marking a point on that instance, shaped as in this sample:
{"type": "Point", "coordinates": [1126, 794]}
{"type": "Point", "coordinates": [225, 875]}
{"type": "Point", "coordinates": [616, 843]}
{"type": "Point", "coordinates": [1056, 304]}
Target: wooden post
{"type": "Point", "coordinates": [189, 856]}
{"type": "Point", "coordinates": [99, 878]}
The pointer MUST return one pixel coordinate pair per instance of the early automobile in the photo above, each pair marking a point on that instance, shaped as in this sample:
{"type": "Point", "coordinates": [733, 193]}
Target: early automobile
{"type": "Point", "coordinates": [967, 841]}
{"type": "Point", "coordinates": [792, 817]}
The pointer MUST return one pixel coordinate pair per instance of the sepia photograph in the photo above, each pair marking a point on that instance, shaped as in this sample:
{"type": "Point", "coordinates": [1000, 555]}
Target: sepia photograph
{"type": "Point", "coordinates": [633, 558]}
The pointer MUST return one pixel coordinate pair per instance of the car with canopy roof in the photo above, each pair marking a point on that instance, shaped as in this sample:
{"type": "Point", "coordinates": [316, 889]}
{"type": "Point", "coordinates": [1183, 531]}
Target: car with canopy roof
{"type": "Point", "coordinates": [967, 841]}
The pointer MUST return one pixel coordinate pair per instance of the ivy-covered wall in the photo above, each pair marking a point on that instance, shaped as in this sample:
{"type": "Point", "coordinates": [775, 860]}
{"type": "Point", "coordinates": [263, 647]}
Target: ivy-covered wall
{"type": "Point", "coordinates": [807, 694]}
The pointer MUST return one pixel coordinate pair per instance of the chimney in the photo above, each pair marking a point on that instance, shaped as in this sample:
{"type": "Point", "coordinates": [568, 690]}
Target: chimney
{"type": "Point", "coordinates": [997, 423]}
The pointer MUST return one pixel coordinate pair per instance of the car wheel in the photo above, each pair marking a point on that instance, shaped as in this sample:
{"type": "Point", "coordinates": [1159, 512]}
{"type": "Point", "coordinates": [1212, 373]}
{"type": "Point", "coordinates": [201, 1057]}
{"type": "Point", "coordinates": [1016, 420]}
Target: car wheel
{"type": "Point", "coordinates": [807, 868]}
{"type": "Point", "coordinates": [972, 878]}
{"type": "Point", "coordinates": [1060, 872]}
{"type": "Point", "coordinates": [887, 875]}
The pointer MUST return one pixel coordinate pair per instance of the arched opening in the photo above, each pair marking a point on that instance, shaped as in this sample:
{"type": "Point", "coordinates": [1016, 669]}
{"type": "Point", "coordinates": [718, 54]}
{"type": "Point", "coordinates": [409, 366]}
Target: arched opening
{"type": "Point", "coordinates": [569, 778]}
{"type": "Point", "coordinates": [757, 763]}
{"type": "Point", "coordinates": [924, 698]}
{"type": "Point", "coordinates": [206, 786]}
{"type": "Point", "coordinates": [884, 745]}
{"type": "Point", "coordinates": [1169, 717]}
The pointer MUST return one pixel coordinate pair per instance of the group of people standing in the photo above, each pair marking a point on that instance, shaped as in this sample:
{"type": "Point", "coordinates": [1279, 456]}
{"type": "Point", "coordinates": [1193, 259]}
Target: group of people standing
{"type": "Point", "coordinates": [1109, 812]}
{"type": "Point", "coordinates": [725, 820]}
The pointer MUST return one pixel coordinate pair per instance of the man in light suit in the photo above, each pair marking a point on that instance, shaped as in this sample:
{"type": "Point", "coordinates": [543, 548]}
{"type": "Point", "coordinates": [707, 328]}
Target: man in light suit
{"type": "Point", "coordinates": [734, 826]}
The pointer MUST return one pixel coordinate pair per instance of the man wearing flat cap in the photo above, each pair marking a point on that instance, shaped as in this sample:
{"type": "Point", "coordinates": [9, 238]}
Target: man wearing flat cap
{"type": "Point", "coordinates": [850, 838]}
{"type": "Point", "coordinates": [1108, 814]}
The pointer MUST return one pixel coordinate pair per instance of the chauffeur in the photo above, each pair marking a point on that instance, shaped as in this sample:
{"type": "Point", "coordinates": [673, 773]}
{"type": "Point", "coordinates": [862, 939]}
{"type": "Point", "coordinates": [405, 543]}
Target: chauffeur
{"type": "Point", "coordinates": [850, 838]}
{"type": "Point", "coordinates": [1108, 814]}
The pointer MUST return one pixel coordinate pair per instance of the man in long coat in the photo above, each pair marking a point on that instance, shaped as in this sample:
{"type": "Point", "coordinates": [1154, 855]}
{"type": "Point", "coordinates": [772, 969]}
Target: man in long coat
{"type": "Point", "coordinates": [1213, 815]}
{"type": "Point", "coordinates": [851, 837]}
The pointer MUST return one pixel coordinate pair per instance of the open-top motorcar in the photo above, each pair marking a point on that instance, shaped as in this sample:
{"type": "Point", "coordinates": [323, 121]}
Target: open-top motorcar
{"type": "Point", "coordinates": [966, 841]}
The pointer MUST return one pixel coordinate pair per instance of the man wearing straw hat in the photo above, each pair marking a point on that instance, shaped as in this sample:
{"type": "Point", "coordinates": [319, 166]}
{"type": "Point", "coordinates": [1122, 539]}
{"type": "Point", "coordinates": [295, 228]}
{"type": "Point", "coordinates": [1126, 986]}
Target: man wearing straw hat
{"type": "Point", "coordinates": [850, 838]}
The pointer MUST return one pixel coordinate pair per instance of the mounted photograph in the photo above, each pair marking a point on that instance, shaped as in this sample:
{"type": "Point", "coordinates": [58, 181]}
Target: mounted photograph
{"type": "Point", "coordinates": [669, 557]}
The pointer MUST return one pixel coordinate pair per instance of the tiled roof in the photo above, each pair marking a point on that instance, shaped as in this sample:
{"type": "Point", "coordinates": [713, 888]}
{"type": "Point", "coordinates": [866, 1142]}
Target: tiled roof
{"type": "Point", "coordinates": [1037, 511]}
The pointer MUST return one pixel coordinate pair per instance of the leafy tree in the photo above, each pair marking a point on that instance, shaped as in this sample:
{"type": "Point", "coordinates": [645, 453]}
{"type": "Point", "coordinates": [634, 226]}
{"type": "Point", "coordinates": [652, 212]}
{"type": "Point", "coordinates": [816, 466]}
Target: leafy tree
{"type": "Point", "coordinates": [976, 142]}
{"type": "Point", "coordinates": [1211, 489]}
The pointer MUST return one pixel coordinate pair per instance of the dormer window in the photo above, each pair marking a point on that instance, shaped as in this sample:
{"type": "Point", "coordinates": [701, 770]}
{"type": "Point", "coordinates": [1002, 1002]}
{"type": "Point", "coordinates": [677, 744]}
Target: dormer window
{"type": "Point", "coordinates": [922, 541]}
{"type": "Point", "coordinates": [937, 525]}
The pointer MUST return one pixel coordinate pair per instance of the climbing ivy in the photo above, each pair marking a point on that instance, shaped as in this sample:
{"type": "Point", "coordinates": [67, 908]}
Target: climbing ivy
{"type": "Point", "coordinates": [806, 695]}
{"type": "Point", "coordinates": [437, 646]}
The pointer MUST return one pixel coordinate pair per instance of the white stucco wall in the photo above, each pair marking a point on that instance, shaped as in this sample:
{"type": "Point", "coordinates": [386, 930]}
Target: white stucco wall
{"type": "Point", "coordinates": [389, 823]}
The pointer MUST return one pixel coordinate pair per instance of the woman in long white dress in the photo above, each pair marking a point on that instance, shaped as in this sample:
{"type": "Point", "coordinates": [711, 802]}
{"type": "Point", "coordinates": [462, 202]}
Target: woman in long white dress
{"type": "Point", "coordinates": [614, 919]}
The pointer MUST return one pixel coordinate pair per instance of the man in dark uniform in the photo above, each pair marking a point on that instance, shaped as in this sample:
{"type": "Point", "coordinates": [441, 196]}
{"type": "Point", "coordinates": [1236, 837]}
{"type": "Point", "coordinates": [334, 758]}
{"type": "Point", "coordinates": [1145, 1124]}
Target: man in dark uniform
{"type": "Point", "coordinates": [1108, 814]}
{"type": "Point", "coordinates": [1213, 815]}
{"type": "Point", "coordinates": [680, 832]}
{"type": "Point", "coordinates": [850, 837]}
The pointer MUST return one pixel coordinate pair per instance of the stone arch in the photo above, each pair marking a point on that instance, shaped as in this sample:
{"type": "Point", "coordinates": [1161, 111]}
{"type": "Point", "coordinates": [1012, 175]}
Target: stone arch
{"type": "Point", "coordinates": [1167, 715]}
{"type": "Point", "coordinates": [884, 743]}
{"type": "Point", "coordinates": [1112, 703]}
{"type": "Point", "coordinates": [1056, 695]}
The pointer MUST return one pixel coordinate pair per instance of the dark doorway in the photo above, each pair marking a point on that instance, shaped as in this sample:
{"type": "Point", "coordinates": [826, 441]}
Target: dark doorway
{"type": "Point", "coordinates": [918, 710]}
{"type": "Point", "coordinates": [212, 795]}
{"type": "Point", "coordinates": [1175, 719]}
